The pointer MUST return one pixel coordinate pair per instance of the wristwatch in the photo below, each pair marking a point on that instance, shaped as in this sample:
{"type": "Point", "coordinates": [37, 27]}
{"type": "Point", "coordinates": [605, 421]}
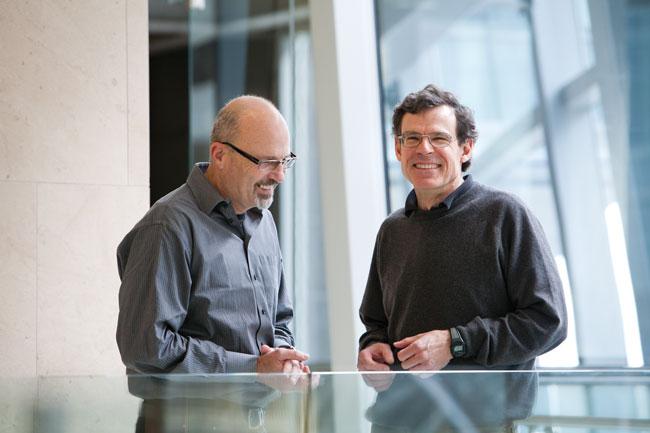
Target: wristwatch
{"type": "Point", "coordinates": [458, 348]}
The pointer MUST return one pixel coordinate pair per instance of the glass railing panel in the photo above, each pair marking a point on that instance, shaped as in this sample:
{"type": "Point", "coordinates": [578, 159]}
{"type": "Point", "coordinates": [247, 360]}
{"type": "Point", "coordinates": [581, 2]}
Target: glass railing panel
{"type": "Point", "coordinates": [404, 402]}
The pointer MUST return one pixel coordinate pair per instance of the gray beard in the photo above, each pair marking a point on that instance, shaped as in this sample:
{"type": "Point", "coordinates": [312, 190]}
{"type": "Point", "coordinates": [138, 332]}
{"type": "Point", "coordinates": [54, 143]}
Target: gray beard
{"type": "Point", "coordinates": [264, 203]}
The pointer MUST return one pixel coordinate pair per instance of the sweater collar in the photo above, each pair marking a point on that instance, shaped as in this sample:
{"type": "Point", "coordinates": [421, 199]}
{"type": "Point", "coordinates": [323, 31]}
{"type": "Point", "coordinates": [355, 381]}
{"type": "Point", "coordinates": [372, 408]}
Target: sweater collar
{"type": "Point", "coordinates": [412, 200]}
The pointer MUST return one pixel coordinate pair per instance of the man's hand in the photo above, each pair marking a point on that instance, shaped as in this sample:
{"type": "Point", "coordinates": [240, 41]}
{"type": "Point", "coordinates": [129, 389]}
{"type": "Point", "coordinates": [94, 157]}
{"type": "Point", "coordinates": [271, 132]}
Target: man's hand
{"type": "Point", "coordinates": [426, 351]}
{"type": "Point", "coordinates": [281, 360]}
{"type": "Point", "coordinates": [376, 357]}
{"type": "Point", "coordinates": [380, 381]}
{"type": "Point", "coordinates": [296, 376]}
{"type": "Point", "coordinates": [295, 367]}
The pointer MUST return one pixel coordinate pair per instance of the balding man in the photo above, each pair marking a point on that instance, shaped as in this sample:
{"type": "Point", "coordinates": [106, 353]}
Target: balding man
{"type": "Point", "coordinates": [203, 288]}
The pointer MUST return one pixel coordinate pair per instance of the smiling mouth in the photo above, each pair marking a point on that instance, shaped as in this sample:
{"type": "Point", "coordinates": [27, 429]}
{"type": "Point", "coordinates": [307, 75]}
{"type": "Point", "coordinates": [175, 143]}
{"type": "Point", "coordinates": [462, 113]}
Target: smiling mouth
{"type": "Point", "coordinates": [266, 189]}
{"type": "Point", "coordinates": [428, 166]}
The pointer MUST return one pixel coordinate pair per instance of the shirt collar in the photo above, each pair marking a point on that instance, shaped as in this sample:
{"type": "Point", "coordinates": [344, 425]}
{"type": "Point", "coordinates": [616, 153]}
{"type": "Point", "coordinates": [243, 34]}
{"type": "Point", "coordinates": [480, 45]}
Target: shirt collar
{"type": "Point", "coordinates": [412, 200]}
{"type": "Point", "coordinates": [207, 196]}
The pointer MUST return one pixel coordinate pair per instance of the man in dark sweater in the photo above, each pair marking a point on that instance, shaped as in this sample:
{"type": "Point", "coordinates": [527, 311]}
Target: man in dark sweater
{"type": "Point", "coordinates": [462, 276]}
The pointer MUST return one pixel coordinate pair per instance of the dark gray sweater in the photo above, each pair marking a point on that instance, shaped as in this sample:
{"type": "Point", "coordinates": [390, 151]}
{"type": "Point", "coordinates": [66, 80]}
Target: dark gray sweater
{"type": "Point", "coordinates": [483, 265]}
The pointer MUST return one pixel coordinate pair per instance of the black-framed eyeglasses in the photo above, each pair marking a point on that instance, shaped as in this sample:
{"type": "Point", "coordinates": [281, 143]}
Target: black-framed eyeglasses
{"type": "Point", "coordinates": [266, 165]}
{"type": "Point", "coordinates": [413, 139]}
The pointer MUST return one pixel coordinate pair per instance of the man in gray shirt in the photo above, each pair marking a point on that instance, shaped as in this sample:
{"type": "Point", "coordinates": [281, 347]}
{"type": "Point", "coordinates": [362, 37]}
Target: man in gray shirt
{"type": "Point", "coordinates": [203, 289]}
{"type": "Point", "coordinates": [462, 276]}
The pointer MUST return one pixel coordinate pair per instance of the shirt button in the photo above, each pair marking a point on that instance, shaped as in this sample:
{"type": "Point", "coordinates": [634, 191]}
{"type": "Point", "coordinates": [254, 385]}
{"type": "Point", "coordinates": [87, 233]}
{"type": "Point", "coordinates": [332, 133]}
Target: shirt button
{"type": "Point", "coordinates": [263, 312]}
{"type": "Point", "coordinates": [255, 277]}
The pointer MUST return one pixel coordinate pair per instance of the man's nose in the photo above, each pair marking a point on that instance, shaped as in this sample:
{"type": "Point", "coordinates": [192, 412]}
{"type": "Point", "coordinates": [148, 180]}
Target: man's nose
{"type": "Point", "coordinates": [278, 173]}
{"type": "Point", "coordinates": [425, 145]}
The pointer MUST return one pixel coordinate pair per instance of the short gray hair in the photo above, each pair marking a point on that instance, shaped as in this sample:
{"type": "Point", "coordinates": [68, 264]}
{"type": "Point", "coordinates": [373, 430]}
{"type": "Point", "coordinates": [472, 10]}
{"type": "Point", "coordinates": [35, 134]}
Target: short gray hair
{"type": "Point", "coordinates": [225, 125]}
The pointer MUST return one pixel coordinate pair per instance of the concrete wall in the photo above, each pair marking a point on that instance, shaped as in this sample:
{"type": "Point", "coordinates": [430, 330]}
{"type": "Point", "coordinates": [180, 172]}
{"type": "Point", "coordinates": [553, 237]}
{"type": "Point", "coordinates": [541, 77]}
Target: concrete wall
{"type": "Point", "coordinates": [74, 177]}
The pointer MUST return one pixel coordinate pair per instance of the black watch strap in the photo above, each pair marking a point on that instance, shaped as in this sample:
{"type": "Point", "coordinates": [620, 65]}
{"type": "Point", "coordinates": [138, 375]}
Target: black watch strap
{"type": "Point", "coordinates": [458, 348]}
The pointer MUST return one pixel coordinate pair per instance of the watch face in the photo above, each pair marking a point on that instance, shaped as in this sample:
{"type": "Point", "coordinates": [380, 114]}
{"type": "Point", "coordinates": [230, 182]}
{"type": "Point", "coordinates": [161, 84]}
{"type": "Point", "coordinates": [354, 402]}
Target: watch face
{"type": "Point", "coordinates": [457, 343]}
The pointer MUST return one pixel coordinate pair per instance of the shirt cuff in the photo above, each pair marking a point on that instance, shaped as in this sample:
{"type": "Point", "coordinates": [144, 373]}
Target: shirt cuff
{"type": "Point", "coordinates": [281, 342]}
{"type": "Point", "coordinates": [241, 362]}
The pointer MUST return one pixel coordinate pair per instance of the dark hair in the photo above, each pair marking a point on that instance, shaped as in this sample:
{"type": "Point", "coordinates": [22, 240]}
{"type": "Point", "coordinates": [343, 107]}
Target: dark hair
{"type": "Point", "coordinates": [431, 97]}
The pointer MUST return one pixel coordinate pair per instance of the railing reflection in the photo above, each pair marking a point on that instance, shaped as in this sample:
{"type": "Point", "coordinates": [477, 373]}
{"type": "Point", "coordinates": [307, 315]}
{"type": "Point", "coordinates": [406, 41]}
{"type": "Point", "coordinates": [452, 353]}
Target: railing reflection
{"type": "Point", "coordinates": [453, 402]}
{"type": "Point", "coordinates": [223, 403]}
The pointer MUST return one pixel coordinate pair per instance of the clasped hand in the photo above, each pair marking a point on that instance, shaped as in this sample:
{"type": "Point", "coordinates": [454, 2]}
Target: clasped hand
{"type": "Point", "coordinates": [425, 351]}
{"type": "Point", "coordinates": [290, 362]}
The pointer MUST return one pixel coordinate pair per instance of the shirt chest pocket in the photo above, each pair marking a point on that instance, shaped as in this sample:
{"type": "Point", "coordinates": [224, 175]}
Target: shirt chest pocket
{"type": "Point", "coordinates": [217, 274]}
{"type": "Point", "coordinates": [268, 273]}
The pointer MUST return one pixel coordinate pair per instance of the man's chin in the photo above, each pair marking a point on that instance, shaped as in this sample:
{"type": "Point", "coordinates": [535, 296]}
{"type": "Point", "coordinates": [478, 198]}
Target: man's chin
{"type": "Point", "coordinates": [264, 203]}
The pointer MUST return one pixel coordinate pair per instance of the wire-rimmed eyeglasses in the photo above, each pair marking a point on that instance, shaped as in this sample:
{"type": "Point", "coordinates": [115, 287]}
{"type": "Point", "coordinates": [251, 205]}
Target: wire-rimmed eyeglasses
{"type": "Point", "coordinates": [266, 165]}
{"type": "Point", "coordinates": [413, 139]}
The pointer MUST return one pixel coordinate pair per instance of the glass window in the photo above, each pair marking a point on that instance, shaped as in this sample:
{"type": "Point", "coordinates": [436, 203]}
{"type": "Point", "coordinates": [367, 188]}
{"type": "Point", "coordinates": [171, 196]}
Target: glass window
{"type": "Point", "coordinates": [549, 82]}
{"type": "Point", "coordinates": [204, 53]}
{"type": "Point", "coordinates": [263, 48]}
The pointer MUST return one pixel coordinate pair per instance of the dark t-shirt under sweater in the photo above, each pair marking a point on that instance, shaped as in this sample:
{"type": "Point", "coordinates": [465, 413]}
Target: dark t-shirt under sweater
{"type": "Point", "coordinates": [483, 265]}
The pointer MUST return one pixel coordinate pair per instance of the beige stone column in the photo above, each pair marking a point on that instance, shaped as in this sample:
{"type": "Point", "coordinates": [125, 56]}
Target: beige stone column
{"type": "Point", "coordinates": [74, 177]}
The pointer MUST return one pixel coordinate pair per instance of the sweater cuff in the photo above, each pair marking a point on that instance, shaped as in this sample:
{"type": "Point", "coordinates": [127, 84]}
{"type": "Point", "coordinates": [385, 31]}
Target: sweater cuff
{"type": "Point", "coordinates": [241, 362]}
{"type": "Point", "coordinates": [370, 337]}
{"type": "Point", "coordinates": [470, 346]}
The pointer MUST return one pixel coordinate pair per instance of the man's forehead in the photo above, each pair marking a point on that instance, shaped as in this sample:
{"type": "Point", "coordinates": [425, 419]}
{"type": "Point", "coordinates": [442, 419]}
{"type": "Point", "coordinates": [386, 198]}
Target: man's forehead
{"type": "Point", "coordinates": [439, 111]}
{"type": "Point", "coordinates": [442, 116]}
{"type": "Point", "coordinates": [264, 143]}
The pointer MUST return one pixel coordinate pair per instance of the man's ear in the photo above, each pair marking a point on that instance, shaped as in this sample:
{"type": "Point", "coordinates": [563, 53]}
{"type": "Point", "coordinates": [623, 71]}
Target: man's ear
{"type": "Point", "coordinates": [398, 149]}
{"type": "Point", "coordinates": [217, 151]}
{"type": "Point", "coordinates": [466, 148]}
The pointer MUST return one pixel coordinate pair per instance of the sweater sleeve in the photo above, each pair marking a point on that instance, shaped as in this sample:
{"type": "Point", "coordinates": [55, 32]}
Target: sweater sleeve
{"type": "Point", "coordinates": [538, 322]}
{"type": "Point", "coordinates": [372, 311]}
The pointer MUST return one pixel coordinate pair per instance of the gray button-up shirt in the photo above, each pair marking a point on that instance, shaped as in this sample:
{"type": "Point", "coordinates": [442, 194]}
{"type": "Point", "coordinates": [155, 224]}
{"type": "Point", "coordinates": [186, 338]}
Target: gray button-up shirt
{"type": "Point", "coordinates": [202, 289]}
